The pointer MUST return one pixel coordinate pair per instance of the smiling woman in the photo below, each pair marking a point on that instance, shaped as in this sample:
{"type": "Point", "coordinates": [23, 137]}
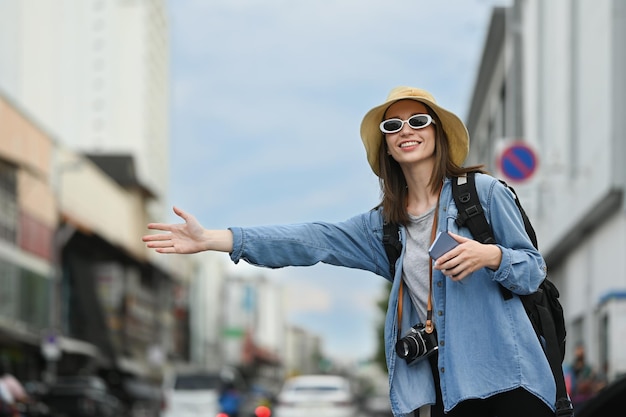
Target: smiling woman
{"type": "Point", "coordinates": [417, 147]}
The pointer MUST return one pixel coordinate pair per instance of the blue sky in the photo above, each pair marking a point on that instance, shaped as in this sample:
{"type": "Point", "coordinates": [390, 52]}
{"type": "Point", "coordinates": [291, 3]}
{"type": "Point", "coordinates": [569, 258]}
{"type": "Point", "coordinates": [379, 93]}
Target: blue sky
{"type": "Point", "coordinates": [267, 100]}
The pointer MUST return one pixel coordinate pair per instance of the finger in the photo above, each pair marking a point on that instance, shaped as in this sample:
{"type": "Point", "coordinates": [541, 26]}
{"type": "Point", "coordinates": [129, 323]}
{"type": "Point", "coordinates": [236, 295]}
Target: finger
{"type": "Point", "coordinates": [160, 226]}
{"type": "Point", "coordinates": [160, 244]}
{"type": "Point", "coordinates": [160, 236]}
{"type": "Point", "coordinates": [458, 238]}
{"type": "Point", "coordinates": [182, 214]}
{"type": "Point", "coordinates": [452, 275]}
{"type": "Point", "coordinates": [461, 272]}
{"type": "Point", "coordinates": [453, 271]}
{"type": "Point", "coordinates": [446, 257]}
{"type": "Point", "coordinates": [439, 263]}
{"type": "Point", "coordinates": [460, 276]}
{"type": "Point", "coordinates": [166, 250]}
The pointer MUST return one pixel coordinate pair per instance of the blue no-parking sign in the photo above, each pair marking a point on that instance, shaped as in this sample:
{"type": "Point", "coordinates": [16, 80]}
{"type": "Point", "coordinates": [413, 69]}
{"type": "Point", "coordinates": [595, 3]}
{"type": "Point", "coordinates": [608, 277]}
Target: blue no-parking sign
{"type": "Point", "coordinates": [518, 162]}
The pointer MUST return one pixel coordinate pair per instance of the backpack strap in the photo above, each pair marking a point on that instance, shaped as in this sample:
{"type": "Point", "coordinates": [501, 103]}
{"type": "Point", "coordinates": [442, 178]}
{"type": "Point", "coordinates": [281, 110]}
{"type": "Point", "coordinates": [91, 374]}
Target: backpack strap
{"type": "Point", "coordinates": [471, 213]}
{"type": "Point", "coordinates": [563, 404]}
{"type": "Point", "coordinates": [527, 225]}
{"type": "Point", "coordinates": [393, 245]}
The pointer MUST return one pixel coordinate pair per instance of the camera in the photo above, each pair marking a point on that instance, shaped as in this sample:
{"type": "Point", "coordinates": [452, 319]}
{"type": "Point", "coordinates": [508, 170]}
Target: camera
{"type": "Point", "coordinates": [417, 344]}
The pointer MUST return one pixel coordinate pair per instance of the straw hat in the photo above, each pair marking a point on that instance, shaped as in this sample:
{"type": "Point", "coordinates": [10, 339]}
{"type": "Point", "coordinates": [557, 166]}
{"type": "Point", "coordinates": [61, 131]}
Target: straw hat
{"type": "Point", "coordinates": [458, 137]}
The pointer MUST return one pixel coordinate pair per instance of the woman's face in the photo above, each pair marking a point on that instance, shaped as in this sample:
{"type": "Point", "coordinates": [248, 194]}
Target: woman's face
{"type": "Point", "coordinates": [410, 146]}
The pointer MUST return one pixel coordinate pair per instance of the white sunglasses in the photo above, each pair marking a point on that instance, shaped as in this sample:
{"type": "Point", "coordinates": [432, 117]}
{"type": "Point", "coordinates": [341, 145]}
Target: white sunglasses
{"type": "Point", "coordinates": [418, 121]}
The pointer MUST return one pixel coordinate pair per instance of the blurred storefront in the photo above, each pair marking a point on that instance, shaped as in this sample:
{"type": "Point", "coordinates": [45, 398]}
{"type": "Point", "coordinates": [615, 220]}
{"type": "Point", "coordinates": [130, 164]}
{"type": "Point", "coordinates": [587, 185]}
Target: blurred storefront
{"type": "Point", "coordinates": [78, 295]}
{"type": "Point", "coordinates": [27, 227]}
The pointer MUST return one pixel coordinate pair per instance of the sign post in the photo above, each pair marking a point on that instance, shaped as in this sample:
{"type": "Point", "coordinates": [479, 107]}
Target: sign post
{"type": "Point", "coordinates": [51, 351]}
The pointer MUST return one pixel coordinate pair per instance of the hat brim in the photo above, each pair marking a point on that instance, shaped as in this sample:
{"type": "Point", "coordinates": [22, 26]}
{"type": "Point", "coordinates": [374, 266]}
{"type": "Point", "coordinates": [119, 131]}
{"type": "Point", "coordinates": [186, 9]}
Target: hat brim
{"type": "Point", "coordinates": [453, 126]}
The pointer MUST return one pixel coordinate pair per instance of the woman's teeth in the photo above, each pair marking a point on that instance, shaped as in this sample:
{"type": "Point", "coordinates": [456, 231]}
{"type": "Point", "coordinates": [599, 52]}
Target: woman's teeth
{"type": "Point", "coordinates": [407, 144]}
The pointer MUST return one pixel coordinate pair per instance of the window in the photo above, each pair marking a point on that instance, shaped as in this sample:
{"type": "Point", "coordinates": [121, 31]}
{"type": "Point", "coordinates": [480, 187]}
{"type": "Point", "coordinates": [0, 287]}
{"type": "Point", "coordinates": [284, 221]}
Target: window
{"type": "Point", "coordinates": [8, 203]}
{"type": "Point", "coordinates": [9, 295]}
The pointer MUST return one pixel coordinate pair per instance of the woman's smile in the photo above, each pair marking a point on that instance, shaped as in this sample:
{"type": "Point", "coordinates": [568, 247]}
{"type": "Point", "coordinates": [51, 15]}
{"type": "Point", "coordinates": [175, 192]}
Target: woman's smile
{"type": "Point", "coordinates": [409, 144]}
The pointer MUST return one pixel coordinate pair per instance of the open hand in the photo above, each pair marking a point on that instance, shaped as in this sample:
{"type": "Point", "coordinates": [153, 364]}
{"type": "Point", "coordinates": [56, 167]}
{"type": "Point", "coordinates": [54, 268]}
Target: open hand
{"type": "Point", "coordinates": [188, 237]}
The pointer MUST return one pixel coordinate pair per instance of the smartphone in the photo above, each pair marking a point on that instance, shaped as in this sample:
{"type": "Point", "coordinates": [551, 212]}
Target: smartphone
{"type": "Point", "coordinates": [442, 244]}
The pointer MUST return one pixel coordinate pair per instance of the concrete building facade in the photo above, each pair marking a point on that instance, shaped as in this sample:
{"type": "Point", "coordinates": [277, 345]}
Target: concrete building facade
{"type": "Point", "coordinates": [95, 73]}
{"type": "Point", "coordinates": [77, 293]}
{"type": "Point", "coordinates": [552, 77]}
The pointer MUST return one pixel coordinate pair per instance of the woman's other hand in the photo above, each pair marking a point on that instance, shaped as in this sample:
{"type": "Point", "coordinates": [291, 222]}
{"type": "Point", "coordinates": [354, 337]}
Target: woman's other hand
{"type": "Point", "coordinates": [469, 256]}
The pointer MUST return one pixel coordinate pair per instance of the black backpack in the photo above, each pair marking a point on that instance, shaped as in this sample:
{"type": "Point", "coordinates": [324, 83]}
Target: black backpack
{"type": "Point", "coordinates": [543, 307]}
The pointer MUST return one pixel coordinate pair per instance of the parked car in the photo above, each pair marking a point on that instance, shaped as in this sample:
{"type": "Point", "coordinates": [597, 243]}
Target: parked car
{"type": "Point", "coordinates": [35, 405]}
{"type": "Point", "coordinates": [81, 396]}
{"type": "Point", "coordinates": [316, 395]}
{"type": "Point", "coordinates": [197, 393]}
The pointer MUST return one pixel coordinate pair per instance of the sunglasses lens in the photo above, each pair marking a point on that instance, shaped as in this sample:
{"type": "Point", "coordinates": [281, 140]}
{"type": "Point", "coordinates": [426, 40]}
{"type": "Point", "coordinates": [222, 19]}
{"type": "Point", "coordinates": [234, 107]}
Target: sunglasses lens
{"type": "Point", "coordinates": [419, 120]}
{"type": "Point", "coordinates": [391, 125]}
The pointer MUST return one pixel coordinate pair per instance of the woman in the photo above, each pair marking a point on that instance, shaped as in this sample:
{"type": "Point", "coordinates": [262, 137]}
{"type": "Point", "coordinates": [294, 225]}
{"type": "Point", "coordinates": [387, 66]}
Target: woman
{"type": "Point", "coordinates": [488, 360]}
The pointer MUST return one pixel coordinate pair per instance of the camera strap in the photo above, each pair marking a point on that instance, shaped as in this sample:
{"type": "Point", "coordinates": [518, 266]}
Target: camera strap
{"type": "Point", "coordinates": [428, 327]}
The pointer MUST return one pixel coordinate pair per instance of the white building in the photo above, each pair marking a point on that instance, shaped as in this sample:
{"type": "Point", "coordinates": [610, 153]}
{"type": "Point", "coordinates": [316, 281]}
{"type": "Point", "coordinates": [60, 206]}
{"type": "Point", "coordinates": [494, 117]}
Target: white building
{"type": "Point", "coordinates": [206, 292]}
{"type": "Point", "coordinates": [553, 76]}
{"type": "Point", "coordinates": [252, 327]}
{"type": "Point", "coordinates": [95, 73]}
{"type": "Point", "coordinates": [303, 352]}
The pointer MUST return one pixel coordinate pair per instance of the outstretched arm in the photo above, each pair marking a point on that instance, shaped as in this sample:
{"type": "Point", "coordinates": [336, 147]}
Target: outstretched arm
{"type": "Point", "coordinates": [188, 237]}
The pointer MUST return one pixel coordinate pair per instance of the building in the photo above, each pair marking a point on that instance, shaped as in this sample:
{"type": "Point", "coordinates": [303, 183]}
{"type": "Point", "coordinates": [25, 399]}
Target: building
{"type": "Point", "coordinates": [78, 295]}
{"type": "Point", "coordinates": [253, 327]}
{"type": "Point", "coordinates": [27, 229]}
{"type": "Point", "coordinates": [553, 78]}
{"type": "Point", "coordinates": [96, 74]}
{"type": "Point", "coordinates": [84, 91]}
{"type": "Point", "coordinates": [303, 354]}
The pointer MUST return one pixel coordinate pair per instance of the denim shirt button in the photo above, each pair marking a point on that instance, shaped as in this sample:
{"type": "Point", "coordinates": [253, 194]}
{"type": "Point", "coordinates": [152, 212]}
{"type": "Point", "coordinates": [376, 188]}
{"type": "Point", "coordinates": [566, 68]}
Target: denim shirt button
{"type": "Point", "coordinates": [439, 283]}
{"type": "Point", "coordinates": [442, 369]}
{"type": "Point", "coordinates": [442, 343]}
{"type": "Point", "coordinates": [439, 313]}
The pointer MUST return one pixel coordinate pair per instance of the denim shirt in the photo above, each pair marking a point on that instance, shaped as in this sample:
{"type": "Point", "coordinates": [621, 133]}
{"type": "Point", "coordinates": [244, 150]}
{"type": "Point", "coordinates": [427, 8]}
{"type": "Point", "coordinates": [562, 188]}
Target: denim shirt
{"type": "Point", "coordinates": [486, 344]}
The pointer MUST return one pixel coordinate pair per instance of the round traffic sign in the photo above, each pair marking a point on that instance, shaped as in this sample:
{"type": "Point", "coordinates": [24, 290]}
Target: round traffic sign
{"type": "Point", "coordinates": [518, 162]}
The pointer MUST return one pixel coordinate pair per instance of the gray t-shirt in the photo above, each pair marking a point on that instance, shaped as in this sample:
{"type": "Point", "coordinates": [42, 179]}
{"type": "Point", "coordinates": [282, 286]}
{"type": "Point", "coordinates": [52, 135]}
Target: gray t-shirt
{"type": "Point", "coordinates": [416, 264]}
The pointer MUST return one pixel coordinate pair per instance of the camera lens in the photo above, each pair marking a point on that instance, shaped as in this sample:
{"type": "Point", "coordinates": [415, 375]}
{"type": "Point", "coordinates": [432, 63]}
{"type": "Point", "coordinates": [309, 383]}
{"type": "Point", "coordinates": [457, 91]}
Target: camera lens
{"type": "Point", "coordinates": [404, 347]}
{"type": "Point", "coordinates": [408, 348]}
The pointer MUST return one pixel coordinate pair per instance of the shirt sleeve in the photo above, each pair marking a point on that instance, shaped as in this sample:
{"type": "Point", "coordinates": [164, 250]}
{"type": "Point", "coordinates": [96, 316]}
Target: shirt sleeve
{"type": "Point", "coordinates": [354, 243]}
{"type": "Point", "coordinates": [522, 268]}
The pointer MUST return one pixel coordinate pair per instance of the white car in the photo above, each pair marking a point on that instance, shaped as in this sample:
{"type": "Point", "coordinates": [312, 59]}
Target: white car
{"type": "Point", "coordinates": [316, 396]}
{"type": "Point", "coordinates": [193, 394]}
{"type": "Point", "coordinates": [196, 393]}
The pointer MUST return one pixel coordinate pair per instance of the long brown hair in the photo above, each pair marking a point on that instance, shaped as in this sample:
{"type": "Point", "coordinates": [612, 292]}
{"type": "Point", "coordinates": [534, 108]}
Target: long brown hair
{"type": "Point", "coordinates": [393, 184]}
